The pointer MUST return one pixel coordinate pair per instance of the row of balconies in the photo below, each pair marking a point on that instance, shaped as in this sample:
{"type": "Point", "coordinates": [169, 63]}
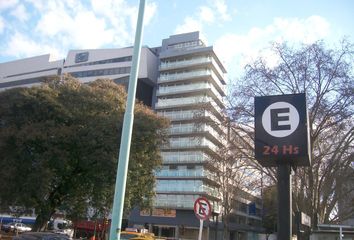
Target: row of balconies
{"type": "Point", "coordinates": [191, 128]}
{"type": "Point", "coordinates": [201, 73]}
{"type": "Point", "coordinates": [196, 173]}
{"type": "Point", "coordinates": [187, 88]}
{"type": "Point", "coordinates": [187, 62]}
{"type": "Point", "coordinates": [189, 142]}
{"type": "Point", "coordinates": [177, 63]}
{"type": "Point", "coordinates": [184, 157]}
{"type": "Point", "coordinates": [186, 186]}
{"type": "Point", "coordinates": [185, 115]}
{"type": "Point", "coordinates": [187, 101]}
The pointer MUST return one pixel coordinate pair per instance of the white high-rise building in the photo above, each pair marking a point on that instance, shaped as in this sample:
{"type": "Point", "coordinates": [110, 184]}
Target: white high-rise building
{"type": "Point", "coordinates": [190, 92]}
{"type": "Point", "coordinates": [183, 80]}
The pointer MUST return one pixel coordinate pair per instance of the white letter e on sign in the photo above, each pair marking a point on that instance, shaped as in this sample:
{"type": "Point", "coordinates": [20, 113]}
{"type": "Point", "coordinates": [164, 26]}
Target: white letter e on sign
{"type": "Point", "coordinates": [280, 119]}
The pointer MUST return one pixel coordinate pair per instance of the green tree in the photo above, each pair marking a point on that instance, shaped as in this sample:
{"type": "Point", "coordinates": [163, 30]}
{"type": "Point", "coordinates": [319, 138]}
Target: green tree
{"type": "Point", "coordinates": [326, 76]}
{"type": "Point", "coordinates": [270, 210]}
{"type": "Point", "coordinates": [59, 144]}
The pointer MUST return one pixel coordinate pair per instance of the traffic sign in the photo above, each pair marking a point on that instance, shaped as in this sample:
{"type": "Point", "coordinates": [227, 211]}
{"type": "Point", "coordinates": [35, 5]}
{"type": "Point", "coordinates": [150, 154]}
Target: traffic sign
{"type": "Point", "coordinates": [281, 130]}
{"type": "Point", "coordinates": [202, 208]}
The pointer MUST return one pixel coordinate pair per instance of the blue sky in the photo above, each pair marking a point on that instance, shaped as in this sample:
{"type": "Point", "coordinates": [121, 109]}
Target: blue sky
{"type": "Point", "coordinates": [238, 29]}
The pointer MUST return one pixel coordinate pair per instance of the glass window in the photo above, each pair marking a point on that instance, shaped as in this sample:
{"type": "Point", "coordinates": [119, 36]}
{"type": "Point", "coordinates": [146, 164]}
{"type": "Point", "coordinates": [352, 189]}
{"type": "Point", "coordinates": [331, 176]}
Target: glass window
{"type": "Point", "coordinates": [101, 72]}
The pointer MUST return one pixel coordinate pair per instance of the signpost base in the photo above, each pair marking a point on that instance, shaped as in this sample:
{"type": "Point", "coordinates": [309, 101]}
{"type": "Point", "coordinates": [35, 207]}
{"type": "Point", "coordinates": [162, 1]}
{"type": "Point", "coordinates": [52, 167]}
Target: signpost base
{"type": "Point", "coordinates": [284, 202]}
{"type": "Point", "coordinates": [200, 230]}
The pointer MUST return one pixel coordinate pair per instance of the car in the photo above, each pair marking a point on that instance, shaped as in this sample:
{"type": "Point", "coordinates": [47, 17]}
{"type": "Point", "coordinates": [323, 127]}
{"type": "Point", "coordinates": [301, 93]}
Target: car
{"type": "Point", "coordinates": [16, 227]}
{"type": "Point", "coordinates": [127, 235]}
{"type": "Point", "coordinates": [40, 236]}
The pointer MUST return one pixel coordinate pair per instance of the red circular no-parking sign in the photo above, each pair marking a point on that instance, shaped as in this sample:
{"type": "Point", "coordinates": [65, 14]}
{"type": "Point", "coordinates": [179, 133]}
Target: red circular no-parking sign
{"type": "Point", "coordinates": [202, 208]}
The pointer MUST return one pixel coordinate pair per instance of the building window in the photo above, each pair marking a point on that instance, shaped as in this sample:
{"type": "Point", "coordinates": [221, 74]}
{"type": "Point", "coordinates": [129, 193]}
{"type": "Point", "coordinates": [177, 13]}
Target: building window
{"type": "Point", "coordinates": [101, 72]}
{"type": "Point", "coordinates": [83, 57]}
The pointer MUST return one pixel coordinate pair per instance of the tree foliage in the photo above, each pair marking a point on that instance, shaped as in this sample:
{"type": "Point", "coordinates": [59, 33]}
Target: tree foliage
{"type": "Point", "coordinates": [59, 144]}
{"type": "Point", "coordinates": [270, 212]}
{"type": "Point", "coordinates": [233, 177]}
{"type": "Point", "coordinates": [326, 76]}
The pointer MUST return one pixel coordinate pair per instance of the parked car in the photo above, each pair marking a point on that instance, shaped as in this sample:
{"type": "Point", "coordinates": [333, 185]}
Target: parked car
{"type": "Point", "coordinates": [125, 235]}
{"type": "Point", "coordinates": [40, 236]}
{"type": "Point", "coordinates": [16, 227]}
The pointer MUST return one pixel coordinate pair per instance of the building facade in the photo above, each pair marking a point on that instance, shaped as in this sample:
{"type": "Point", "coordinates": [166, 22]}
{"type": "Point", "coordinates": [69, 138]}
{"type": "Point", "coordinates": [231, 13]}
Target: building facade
{"type": "Point", "coordinates": [183, 80]}
{"type": "Point", "coordinates": [28, 72]}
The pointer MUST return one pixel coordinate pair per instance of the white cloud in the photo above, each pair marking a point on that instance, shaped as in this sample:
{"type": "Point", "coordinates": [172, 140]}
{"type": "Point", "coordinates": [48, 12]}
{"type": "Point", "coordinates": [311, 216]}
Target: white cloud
{"type": "Point", "coordinates": [39, 5]}
{"type": "Point", "coordinates": [222, 9]}
{"type": "Point", "coordinates": [206, 14]}
{"type": "Point", "coordinates": [302, 30]}
{"type": "Point", "coordinates": [68, 24]}
{"type": "Point", "coordinates": [107, 22]}
{"type": "Point", "coordinates": [150, 12]}
{"type": "Point", "coordinates": [6, 4]}
{"type": "Point", "coordinates": [190, 24]}
{"type": "Point", "coordinates": [21, 46]}
{"type": "Point", "coordinates": [20, 13]}
{"type": "Point", "coordinates": [54, 22]}
{"type": "Point", "coordinates": [2, 25]}
{"type": "Point", "coordinates": [84, 30]}
{"type": "Point", "coordinates": [238, 50]}
{"type": "Point", "coordinates": [88, 31]}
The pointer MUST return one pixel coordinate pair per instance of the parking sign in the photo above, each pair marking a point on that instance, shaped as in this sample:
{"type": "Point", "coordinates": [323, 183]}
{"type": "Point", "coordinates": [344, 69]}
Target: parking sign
{"type": "Point", "coordinates": [281, 130]}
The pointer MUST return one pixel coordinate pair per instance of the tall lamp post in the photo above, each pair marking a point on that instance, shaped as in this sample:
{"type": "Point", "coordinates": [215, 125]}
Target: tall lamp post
{"type": "Point", "coordinates": [124, 151]}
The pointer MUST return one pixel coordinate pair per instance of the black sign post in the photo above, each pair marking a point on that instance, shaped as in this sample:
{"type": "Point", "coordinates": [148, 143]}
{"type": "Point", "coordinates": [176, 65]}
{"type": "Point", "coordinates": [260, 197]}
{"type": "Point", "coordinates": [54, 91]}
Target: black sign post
{"type": "Point", "coordinates": [281, 140]}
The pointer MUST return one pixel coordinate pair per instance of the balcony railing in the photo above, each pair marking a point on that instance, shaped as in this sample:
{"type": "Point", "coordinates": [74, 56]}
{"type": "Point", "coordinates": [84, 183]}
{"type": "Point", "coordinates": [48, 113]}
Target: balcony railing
{"type": "Point", "coordinates": [192, 142]}
{"type": "Point", "coordinates": [181, 187]}
{"type": "Point", "coordinates": [178, 115]}
{"type": "Point", "coordinates": [179, 89]}
{"type": "Point", "coordinates": [186, 173]}
{"type": "Point", "coordinates": [172, 77]}
{"type": "Point", "coordinates": [183, 157]}
{"type": "Point", "coordinates": [193, 128]}
{"type": "Point", "coordinates": [175, 102]}
{"type": "Point", "coordinates": [189, 115]}
{"type": "Point", "coordinates": [184, 63]}
{"type": "Point", "coordinates": [184, 75]}
{"type": "Point", "coordinates": [189, 62]}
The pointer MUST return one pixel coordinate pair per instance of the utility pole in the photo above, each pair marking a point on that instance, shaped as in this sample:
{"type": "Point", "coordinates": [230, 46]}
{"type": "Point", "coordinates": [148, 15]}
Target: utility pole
{"type": "Point", "coordinates": [124, 151]}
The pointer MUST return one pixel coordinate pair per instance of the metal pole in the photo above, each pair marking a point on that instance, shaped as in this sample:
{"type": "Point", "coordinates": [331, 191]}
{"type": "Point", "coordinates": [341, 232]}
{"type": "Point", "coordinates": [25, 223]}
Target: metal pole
{"type": "Point", "coordinates": [298, 225]}
{"type": "Point", "coordinates": [284, 202]}
{"type": "Point", "coordinates": [121, 178]}
{"type": "Point", "coordinates": [200, 229]}
{"type": "Point", "coordinates": [216, 226]}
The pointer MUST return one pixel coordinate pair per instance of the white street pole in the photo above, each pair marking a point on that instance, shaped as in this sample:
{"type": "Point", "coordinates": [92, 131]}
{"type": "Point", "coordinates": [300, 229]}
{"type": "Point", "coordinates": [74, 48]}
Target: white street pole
{"type": "Point", "coordinates": [200, 229]}
{"type": "Point", "coordinates": [124, 151]}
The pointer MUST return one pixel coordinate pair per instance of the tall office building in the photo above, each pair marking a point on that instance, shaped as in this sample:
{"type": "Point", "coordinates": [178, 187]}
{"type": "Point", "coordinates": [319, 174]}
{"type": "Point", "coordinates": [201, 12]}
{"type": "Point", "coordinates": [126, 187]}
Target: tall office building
{"type": "Point", "coordinates": [190, 91]}
{"type": "Point", "coordinates": [183, 80]}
